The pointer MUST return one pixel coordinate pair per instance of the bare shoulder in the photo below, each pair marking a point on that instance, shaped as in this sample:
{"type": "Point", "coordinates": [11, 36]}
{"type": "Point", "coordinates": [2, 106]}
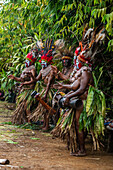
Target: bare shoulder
{"type": "Point", "coordinates": [85, 68]}
{"type": "Point", "coordinates": [84, 74]}
{"type": "Point", "coordinates": [32, 67]}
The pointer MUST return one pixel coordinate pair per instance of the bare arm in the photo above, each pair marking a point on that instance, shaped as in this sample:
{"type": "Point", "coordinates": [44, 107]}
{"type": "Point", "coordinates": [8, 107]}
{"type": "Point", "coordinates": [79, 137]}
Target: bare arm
{"type": "Point", "coordinates": [83, 85]}
{"type": "Point", "coordinates": [63, 76]}
{"type": "Point", "coordinates": [62, 86]}
{"type": "Point", "coordinates": [33, 73]}
{"type": "Point", "coordinates": [33, 79]}
{"type": "Point", "coordinates": [15, 78]}
{"type": "Point", "coordinates": [39, 76]}
{"type": "Point", "coordinates": [49, 83]}
{"type": "Point", "coordinates": [74, 86]}
{"type": "Point", "coordinates": [65, 86]}
{"type": "Point", "coordinates": [60, 74]}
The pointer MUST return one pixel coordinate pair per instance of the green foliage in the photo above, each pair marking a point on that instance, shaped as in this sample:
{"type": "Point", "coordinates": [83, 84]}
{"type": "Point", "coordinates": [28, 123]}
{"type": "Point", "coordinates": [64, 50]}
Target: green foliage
{"type": "Point", "coordinates": [93, 114]}
{"type": "Point", "coordinates": [17, 32]}
{"type": "Point", "coordinates": [23, 22]}
{"type": "Point", "coordinates": [28, 126]}
{"type": "Point", "coordinates": [24, 126]}
{"type": "Point", "coordinates": [10, 141]}
{"type": "Point", "coordinates": [66, 119]}
{"type": "Point", "coordinates": [35, 138]}
{"type": "Point", "coordinates": [26, 95]}
{"type": "Point", "coordinates": [7, 123]}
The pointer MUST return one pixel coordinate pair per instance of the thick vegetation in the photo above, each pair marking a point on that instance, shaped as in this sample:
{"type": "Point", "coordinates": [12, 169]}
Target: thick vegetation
{"type": "Point", "coordinates": [23, 22]}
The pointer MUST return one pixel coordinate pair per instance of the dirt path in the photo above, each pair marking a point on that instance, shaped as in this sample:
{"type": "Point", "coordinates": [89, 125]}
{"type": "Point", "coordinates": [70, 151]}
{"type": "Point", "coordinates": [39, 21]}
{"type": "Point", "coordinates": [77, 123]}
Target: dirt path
{"type": "Point", "coordinates": [32, 149]}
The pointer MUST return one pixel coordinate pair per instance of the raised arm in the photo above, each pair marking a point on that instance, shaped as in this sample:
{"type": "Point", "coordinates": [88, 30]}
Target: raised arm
{"type": "Point", "coordinates": [60, 74]}
{"type": "Point", "coordinates": [15, 78]}
{"type": "Point", "coordinates": [64, 77]}
{"type": "Point", "coordinates": [33, 79]}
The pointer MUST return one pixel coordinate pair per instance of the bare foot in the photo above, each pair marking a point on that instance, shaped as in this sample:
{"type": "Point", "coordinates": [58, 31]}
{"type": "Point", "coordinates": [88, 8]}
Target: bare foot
{"type": "Point", "coordinates": [44, 125]}
{"type": "Point", "coordinates": [45, 129]}
{"type": "Point", "coordinates": [78, 154]}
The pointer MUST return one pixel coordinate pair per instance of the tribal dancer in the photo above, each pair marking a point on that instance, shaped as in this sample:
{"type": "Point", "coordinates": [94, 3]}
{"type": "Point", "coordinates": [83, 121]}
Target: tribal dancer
{"type": "Point", "coordinates": [81, 78]}
{"type": "Point", "coordinates": [66, 56]}
{"type": "Point", "coordinates": [46, 74]}
{"type": "Point", "coordinates": [22, 112]}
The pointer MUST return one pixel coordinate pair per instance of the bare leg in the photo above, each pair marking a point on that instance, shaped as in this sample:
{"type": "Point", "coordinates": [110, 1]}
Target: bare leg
{"type": "Point", "coordinates": [27, 112]}
{"type": "Point", "coordinates": [46, 122]}
{"type": "Point", "coordinates": [80, 134]}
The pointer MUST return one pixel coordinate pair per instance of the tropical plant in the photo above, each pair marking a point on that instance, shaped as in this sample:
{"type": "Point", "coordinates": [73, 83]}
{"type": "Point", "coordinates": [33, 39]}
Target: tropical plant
{"type": "Point", "coordinates": [23, 22]}
{"type": "Point", "coordinates": [93, 114]}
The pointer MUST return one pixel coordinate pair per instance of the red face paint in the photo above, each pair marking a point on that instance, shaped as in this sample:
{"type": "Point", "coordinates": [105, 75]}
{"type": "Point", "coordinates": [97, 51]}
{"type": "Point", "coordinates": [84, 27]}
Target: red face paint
{"type": "Point", "coordinates": [28, 63]}
{"type": "Point", "coordinates": [77, 63]}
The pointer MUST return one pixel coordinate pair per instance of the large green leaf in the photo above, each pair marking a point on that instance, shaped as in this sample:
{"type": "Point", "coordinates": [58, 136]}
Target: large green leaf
{"type": "Point", "coordinates": [89, 99]}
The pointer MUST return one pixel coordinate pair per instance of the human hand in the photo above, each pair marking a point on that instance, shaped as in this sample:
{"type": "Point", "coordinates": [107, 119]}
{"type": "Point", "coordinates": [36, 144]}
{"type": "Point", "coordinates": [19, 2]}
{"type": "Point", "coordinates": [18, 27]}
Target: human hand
{"type": "Point", "coordinates": [11, 77]}
{"type": "Point", "coordinates": [55, 70]}
{"type": "Point", "coordinates": [21, 85]}
{"type": "Point", "coordinates": [66, 102]}
{"type": "Point", "coordinates": [58, 86]}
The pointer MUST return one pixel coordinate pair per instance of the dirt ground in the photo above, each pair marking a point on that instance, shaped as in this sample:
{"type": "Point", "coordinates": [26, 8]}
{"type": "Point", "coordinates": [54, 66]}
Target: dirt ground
{"type": "Point", "coordinates": [32, 149]}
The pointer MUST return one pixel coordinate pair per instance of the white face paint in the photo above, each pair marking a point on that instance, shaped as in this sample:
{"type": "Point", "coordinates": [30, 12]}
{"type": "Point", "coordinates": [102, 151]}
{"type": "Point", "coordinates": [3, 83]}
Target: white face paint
{"type": "Point", "coordinates": [27, 63]}
{"type": "Point", "coordinates": [44, 64]}
{"type": "Point", "coordinates": [74, 61]}
{"type": "Point", "coordinates": [77, 64]}
{"type": "Point", "coordinates": [33, 53]}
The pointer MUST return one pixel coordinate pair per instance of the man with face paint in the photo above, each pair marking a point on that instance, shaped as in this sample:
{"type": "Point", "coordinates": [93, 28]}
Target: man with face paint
{"type": "Point", "coordinates": [66, 56]}
{"type": "Point", "coordinates": [44, 64]}
{"type": "Point", "coordinates": [80, 79]}
{"type": "Point", "coordinates": [29, 68]}
{"type": "Point", "coordinates": [25, 76]}
{"type": "Point", "coordinates": [47, 75]}
{"type": "Point", "coordinates": [67, 68]}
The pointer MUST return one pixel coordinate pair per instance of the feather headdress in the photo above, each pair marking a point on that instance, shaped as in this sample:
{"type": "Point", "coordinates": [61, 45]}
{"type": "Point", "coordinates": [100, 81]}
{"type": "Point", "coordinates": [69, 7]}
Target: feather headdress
{"type": "Point", "coordinates": [90, 44]}
{"type": "Point", "coordinates": [47, 51]}
{"type": "Point", "coordinates": [62, 52]}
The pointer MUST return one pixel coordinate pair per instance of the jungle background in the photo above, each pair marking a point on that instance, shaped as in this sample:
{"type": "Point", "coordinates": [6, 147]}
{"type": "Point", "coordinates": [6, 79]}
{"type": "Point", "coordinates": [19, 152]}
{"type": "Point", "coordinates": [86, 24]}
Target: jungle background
{"type": "Point", "coordinates": [23, 22]}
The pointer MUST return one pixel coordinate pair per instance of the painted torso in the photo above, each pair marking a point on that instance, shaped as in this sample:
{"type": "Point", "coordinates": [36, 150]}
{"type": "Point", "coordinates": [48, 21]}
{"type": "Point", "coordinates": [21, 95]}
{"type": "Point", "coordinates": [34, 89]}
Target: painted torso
{"type": "Point", "coordinates": [24, 74]}
{"type": "Point", "coordinates": [25, 77]}
{"type": "Point", "coordinates": [77, 77]}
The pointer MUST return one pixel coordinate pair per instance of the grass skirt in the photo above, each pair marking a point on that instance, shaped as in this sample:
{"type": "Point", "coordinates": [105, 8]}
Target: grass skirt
{"type": "Point", "coordinates": [65, 128]}
{"type": "Point", "coordinates": [40, 109]}
{"type": "Point", "coordinates": [24, 102]}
